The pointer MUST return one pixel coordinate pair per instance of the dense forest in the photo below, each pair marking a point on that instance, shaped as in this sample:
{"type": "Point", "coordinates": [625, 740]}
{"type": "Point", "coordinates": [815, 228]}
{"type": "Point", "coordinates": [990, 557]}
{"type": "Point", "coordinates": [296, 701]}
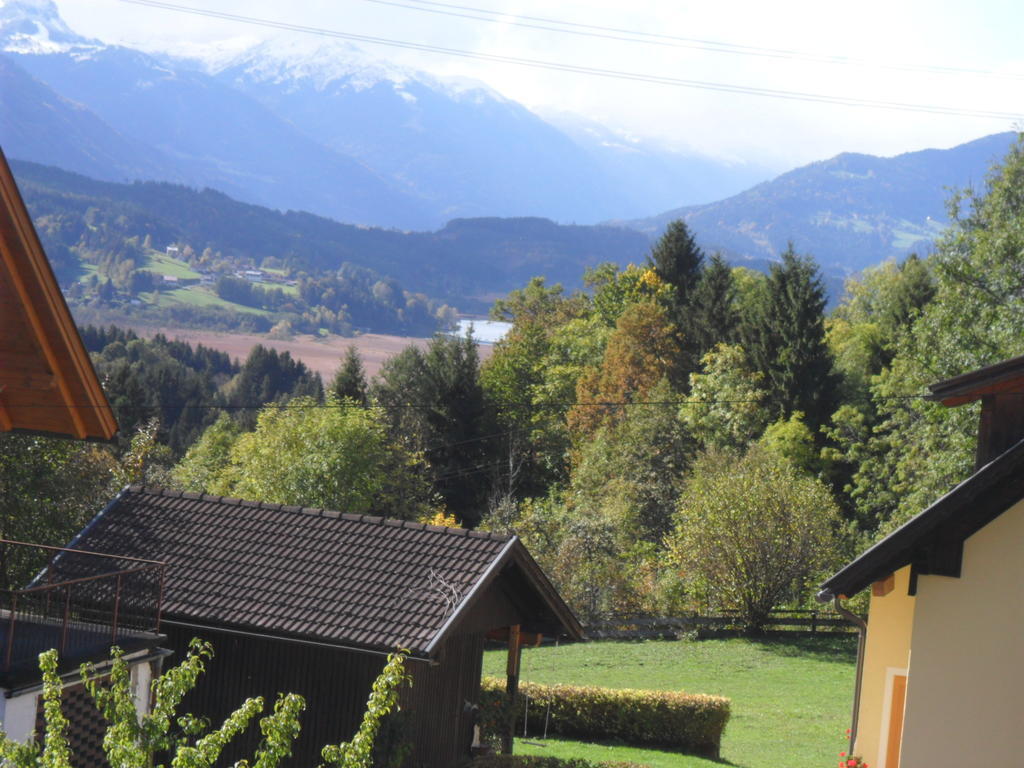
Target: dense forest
{"type": "Point", "coordinates": [679, 435]}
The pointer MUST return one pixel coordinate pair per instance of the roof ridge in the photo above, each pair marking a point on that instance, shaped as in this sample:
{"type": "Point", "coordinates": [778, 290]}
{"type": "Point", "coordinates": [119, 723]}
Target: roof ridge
{"type": "Point", "coordinates": [158, 490]}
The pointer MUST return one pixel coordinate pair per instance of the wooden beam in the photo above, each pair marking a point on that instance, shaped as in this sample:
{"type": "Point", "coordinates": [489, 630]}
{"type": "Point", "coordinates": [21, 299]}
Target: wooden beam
{"type": "Point", "coordinates": [43, 339]}
{"type": "Point", "coordinates": [883, 587]}
{"type": "Point", "coordinates": [27, 379]}
{"type": "Point", "coordinates": [6, 425]}
{"type": "Point", "coordinates": [526, 639]}
{"type": "Point", "coordinates": [515, 650]}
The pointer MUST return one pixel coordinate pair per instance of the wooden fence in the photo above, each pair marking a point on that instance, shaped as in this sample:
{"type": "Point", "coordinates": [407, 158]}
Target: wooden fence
{"type": "Point", "coordinates": [804, 622]}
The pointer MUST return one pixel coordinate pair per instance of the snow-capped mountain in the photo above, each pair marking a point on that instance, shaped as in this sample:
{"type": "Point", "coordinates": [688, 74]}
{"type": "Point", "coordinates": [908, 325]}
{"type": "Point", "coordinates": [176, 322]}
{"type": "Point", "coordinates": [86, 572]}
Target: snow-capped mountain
{"type": "Point", "coordinates": [323, 126]}
{"type": "Point", "coordinates": [35, 26]}
{"type": "Point", "coordinates": [460, 146]}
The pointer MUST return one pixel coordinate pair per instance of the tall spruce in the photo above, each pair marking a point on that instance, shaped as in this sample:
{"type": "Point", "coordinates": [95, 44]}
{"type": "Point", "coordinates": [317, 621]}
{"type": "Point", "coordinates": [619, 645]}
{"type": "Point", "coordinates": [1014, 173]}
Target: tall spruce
{"type": "Point", "coordinates": [268, 376]}
{"type": "Point", "coordinates": [435, 405]}
{"type": "Point", "coordinates": [713, 314]}
{"type": "Point", "coordinates": [783, 332]}
{"type": "Point", "coordinates": [350, 379]}
{"type": "Point", "coordinates": [678, 261]}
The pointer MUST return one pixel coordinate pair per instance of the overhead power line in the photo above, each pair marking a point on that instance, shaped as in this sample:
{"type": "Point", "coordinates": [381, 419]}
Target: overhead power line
{"type": "Point", "coordinates": [674, 41]}
{"type": "Point", "coordinates": [537, 405]}
{"type": "Point", "coordinates": [704, 85]}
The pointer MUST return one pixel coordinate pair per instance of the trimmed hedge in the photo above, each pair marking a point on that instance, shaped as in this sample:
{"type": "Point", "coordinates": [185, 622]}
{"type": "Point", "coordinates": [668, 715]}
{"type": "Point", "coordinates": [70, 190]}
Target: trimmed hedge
{"type": "Point", "coordinates": [689, 722]}
{"type": "Point", "coordinates": [537, 761]}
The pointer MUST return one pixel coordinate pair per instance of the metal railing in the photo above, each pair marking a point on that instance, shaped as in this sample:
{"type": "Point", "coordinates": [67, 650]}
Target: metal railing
{"type": "Point", "coordinates": [78, 601]}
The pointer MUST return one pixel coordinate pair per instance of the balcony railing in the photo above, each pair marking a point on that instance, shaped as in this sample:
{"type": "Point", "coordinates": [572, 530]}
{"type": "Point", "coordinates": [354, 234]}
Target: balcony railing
{"type": "Point", "coordinates": [79, 602]}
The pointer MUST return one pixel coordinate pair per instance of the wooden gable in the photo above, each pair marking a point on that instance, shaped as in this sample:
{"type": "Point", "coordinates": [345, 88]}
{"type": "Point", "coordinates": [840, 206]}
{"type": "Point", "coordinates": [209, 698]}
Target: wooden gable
{"type": "Point", "coordinates": [1000, 388]}
{"type": "Point", "coordinates": [47, 383]}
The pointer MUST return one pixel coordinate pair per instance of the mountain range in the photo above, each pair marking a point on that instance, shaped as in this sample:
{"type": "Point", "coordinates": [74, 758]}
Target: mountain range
{"type": "Point", "coordinates": [328, 129]}
{"type": "Point", "coordinates": [358, 152]}
{"type": "Point", "coordinates": [850, 211]}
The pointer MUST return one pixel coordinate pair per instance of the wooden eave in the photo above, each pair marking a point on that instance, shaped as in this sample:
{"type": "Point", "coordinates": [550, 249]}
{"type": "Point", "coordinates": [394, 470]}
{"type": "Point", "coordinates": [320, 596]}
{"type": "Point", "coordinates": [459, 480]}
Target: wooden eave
{"type": "Point", "coordinates": [555, 617]}
{"type": "Point", "coordinates": [1003, 377]}
{"type": "Point", "coordinates": [47, 382]}
{"type": "Point", "coordinates": [932, 542]}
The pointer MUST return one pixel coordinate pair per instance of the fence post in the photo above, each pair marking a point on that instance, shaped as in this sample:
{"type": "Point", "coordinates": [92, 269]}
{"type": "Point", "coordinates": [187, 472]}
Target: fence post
{"type": "Point", "coordinates": [67, 617]}
{"type": "Point", "coordinates": [814, 622]}
{"type": "Point", "coordinates": [117, 606]}
{"type": "Point", "coordinates": [515, 650]}
{"type": "Point", "coordinates": [10, 633]}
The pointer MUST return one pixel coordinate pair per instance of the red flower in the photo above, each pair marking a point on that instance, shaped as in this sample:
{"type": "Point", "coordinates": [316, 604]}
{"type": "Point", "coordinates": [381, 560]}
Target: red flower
{"type": "Point", "coordinates": [851, 762]}
{"type": "Point", "coordinates": [842, 754]}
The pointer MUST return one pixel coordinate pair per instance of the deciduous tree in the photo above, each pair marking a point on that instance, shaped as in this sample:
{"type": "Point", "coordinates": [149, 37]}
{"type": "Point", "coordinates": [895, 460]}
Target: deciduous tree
{"type": "Point", "coordinates": [752, 531]}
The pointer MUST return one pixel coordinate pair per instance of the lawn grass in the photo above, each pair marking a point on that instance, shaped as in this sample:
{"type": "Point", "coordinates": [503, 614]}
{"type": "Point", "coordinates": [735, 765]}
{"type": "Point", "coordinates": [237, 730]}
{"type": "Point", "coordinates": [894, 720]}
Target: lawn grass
{"type": "Point", "coordinates": [163, 264]}
{"type": "Point", "coordinates": [790, 698]}
{"type": "Point", "coordinates": [199, 296]}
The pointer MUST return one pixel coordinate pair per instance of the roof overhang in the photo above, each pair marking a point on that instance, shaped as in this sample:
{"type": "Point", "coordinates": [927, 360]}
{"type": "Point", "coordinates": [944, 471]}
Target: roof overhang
{"type": "Point", "coordinates": [932, 542]}
{"type": "Point", "coordinates": [47, 382]}
{"type": "Point", "coordinates": [552, 616]}
{"type": "Point", "coordinates": [1003, 377]}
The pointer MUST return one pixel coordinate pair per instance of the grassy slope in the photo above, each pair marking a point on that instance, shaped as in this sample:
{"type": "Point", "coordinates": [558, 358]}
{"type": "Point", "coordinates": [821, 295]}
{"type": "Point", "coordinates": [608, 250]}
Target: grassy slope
{"type": "Point", "coordinates": [790, 699]}
{"type": "Point", "coordinates": [163, 264]}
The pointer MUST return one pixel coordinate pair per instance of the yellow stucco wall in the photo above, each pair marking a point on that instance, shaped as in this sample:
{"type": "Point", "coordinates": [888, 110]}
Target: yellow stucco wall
{"type": "Point", "coordinates": [890, 625]}
{"type": "Point", "coordinates": [965, 699]}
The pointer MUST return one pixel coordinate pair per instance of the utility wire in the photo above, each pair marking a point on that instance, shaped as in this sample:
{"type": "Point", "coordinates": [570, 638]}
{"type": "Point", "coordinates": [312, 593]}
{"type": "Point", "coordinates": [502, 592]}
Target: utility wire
{"type": "Point", "coordinates": [541, 404]}
{"type": "Point", "coordinates": [674, 41]}
{"type": "Point", "coordinates": [704, 85]}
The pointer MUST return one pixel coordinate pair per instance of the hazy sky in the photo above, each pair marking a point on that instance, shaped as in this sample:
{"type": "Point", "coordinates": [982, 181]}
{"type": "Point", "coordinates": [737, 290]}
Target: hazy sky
{"type": "Point", "coordinates": [896, 49]}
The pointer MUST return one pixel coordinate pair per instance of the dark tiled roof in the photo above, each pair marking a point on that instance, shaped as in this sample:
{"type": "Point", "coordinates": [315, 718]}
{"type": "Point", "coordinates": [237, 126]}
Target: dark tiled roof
{"type": "Point", "coordinates": [356, 580]}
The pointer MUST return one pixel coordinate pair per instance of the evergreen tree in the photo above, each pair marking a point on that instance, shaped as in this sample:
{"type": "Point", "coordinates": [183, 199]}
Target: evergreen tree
{"type": "Point", "coordinates": [268, 376]}
{"type": "Point", "coordinates": [678, 260]}
{"type": "Point", "coordinates": [783, 333]}
{"type": "Point", "coordinates": [435, 405]}
{"type": "Point", "coordinates": [350, 379]}
{"type": "Point", "coordinates": [713, 316]}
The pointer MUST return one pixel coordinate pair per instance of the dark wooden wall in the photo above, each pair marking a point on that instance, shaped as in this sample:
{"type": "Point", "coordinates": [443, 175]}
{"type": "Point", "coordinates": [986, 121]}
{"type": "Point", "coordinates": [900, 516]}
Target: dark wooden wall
{"type": "Point", "coordinates": [441, 725]}
{"type": "Point", "coordinates": [336, 684]}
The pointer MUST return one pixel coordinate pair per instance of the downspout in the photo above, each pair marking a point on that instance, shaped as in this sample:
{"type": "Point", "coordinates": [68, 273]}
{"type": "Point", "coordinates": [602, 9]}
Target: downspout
{"type": "Point", "coordinates": [862, 628]}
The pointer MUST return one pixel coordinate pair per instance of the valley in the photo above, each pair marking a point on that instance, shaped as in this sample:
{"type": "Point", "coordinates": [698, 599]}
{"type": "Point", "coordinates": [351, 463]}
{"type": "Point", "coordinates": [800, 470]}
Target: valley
{"type": "Point", "coordinates": [321, 355]}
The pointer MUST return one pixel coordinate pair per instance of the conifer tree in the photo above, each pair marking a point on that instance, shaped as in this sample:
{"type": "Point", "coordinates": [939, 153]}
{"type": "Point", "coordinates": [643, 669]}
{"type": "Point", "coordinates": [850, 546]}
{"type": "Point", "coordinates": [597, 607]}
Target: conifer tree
{"type": "Point", "coordinates": [435, 405]}
{"type": "Point", "coordinates": [350, 379]}
{"type": "Point", "coordinates": [678, 260]}
{"type": "Point", "coordinates": [784, 335]}
{"type": "Point", "coordinates": [713, 314]}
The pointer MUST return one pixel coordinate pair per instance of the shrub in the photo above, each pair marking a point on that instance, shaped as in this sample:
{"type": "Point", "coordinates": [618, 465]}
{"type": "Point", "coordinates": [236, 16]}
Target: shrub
{"type": "Point", "coordinates": [536, 761]}
{"type": "Point", "coordinates": [685, 721]}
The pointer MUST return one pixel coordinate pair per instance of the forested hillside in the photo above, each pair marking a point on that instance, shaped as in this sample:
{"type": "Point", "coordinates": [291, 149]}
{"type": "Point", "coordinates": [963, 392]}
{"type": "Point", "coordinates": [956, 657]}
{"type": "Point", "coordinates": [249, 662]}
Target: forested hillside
{"type": "Point", "coordinates": [466, 264]}
{"type": "Point", "coordinates": [852, 210]}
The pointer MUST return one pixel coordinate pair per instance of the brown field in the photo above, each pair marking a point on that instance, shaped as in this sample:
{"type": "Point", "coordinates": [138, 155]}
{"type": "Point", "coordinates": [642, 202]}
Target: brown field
{"type": "Point", "coordinates": [320, 355]}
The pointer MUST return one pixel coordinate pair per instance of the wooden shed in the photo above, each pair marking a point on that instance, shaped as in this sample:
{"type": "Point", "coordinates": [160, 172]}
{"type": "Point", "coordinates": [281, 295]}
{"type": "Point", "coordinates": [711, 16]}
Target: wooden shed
{"type": "Point", "coordinates": [311, 601]}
